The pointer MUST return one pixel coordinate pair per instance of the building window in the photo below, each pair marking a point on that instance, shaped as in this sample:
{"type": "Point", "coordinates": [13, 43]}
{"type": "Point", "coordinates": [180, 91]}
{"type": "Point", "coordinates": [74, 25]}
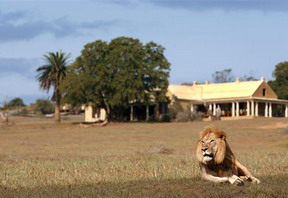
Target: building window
{"type": "Point", "coordinates": [264, 92]}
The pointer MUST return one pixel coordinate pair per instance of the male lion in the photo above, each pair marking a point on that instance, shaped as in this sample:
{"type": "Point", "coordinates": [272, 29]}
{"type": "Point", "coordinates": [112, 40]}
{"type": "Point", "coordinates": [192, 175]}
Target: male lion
{"type": "Point", "coordinates": [216, 160]}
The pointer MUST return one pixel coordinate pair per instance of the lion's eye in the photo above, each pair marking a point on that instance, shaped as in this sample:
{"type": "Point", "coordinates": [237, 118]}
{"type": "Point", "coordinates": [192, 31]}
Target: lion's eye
{"type": "Point", "coordinates": [202, 141]}
{"type": "Point", "coordinates": [211, 141]}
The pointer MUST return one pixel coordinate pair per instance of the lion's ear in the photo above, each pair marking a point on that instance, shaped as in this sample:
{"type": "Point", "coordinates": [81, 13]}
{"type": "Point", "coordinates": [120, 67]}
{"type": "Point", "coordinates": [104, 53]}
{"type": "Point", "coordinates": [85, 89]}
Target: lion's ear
{"type": "Point", "coordinates": [221, 135]}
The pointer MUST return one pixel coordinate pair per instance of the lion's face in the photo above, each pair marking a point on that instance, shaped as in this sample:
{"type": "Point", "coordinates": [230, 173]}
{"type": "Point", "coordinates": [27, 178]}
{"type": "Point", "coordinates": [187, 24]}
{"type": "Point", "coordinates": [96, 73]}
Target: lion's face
{"type": "Point", "coordinates": [211, 147]}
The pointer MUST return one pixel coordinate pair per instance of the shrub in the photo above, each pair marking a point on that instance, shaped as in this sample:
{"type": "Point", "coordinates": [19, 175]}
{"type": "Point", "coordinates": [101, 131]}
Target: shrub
{"type": "Point", "coordinates": [24, 112]}
{"type": "Point", "coordinates": [188, 116]}
{"type": "Point", "coordinates": [183, 116]}
{"type": "Point", "coordinates": [166, 118]}
{"type": "Point", "coordinates": [44, 106]}
{"type": "Point", "coordinates": [173, 112]}
{"type": "Point", "coordinates": [196, 115]}
{"type": "Point", "coordinates": [16, 102]}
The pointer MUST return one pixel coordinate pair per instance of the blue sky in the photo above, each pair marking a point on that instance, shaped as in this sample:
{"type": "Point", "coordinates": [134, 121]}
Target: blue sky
{"type": "Point", "coordinates": [200, 37]}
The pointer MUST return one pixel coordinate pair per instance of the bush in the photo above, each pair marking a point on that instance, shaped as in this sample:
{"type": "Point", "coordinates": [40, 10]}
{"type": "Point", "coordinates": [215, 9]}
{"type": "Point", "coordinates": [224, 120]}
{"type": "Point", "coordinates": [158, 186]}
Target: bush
{"type": "Point", "coordinates": [173, 112]}
{"type": "Point", "coordinates": [24, 112]}
{"type": "Point", "coordinates": [188, 116]}
{"type": "Point", "coordinates": [166, 118]}
{"type": "Point", "coordinates": [16, 102]}
{"type": "Point", "coordinates": [183, 116]}
{"type": "Point", "coordinates": [44, 106]}
{"type": "Point", "coordinates": [196, 115]}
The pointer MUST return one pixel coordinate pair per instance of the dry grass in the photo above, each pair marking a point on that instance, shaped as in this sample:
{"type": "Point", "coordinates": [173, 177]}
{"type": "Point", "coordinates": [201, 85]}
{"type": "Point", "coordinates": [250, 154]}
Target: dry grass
{"type": "Point", "coordinates": [41, 159]}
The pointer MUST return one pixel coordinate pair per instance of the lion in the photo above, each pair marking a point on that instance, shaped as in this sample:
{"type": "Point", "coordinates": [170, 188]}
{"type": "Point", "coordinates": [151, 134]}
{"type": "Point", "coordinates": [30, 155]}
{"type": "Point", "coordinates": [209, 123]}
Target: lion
{"type": "Point", "coordinates": [217, 161]}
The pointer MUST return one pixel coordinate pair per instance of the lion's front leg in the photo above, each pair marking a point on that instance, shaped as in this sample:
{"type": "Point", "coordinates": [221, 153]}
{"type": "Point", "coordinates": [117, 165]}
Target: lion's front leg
{"type": "Point", "coordinates": [235, 180]}
{"type": "Point", "coordinates": [248, 176]}
{"type": "Point", "coordinates": [215, 179]}
{"type": "Point", "coordinates": [211, 176]}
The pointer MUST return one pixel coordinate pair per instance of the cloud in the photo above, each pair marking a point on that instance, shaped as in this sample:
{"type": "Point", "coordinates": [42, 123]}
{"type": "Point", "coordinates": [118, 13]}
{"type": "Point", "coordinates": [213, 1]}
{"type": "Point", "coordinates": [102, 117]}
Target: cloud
{"type": "Point", "coordinates": [227, 5]}
{"type": "Point", "coordinates": [25, 67]}
{"type": "Point", "coordinates": [18, 26]}
{"type": "Point", "coordinates": [11, 16]}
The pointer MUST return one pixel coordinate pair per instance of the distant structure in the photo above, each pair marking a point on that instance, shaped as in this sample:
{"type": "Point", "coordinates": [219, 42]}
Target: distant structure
{"type": "Point", "coordinates": [239, 99]}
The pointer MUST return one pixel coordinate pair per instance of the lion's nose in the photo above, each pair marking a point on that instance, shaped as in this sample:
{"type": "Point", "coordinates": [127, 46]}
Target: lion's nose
{"type": "Point", "coordinates": [204, 149]}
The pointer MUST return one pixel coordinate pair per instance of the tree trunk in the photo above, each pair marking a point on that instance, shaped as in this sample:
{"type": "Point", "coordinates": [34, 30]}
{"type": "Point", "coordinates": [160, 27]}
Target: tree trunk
{"type": "Point", "coordinates": [131, 113]}
{"type": "Point", "coordinates": [57, 117]}
{"type": "Point", "coordinates": [108, 113]}
{"type": "Point", "coordinates": [156, 111]}
{"type": "Point", "coordinates": [147, 112]}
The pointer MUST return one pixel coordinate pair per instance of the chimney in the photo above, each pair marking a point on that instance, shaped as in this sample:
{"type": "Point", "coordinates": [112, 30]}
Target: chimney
{"type": "Point", "coordinates": [207, 82]}
{"type": "Point", "coordinates": [237, 80]}
{"type": "Point", "coordinates": [263, 79]}
{"type": "Point", "coordinates": [194, 83]}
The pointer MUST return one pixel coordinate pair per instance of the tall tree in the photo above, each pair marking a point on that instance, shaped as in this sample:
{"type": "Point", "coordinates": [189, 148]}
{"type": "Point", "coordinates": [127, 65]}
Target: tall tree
{"type": "Point", "coordinates": [226, 75]}
{"type": "Point", "coordinates": [223, 76]}
{"type": "Point", "coordinates": [280, 84]}
{"type": "Point", "coordinates": [112, 75]}
{"type": "Point", "coordinates": [51, 75]}
{"type": "Point", "coordinates": [249, 77]}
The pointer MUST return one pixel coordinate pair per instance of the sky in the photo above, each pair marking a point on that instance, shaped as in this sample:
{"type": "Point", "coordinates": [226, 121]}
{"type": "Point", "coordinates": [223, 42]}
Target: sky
{"type": "Point", "coordinates": [200, 36]}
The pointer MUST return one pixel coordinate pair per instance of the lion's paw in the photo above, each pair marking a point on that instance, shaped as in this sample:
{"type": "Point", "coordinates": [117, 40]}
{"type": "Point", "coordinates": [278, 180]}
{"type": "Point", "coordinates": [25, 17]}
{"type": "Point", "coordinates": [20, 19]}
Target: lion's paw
{"type": "Point", "coordinates": [255, 181]}
{"type": "Point", "coordinates": [236, 180]}
{"type": "Point", "coordinates": [245, 178]}
{"type": "Point", "coordinates": [239, 182]}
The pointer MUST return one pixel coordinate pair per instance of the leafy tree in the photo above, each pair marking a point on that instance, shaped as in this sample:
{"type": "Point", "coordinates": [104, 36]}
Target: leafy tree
{"type": "Point", "coordinates": [43, 106]}
{"type": "Point", "coordinates": [226, 75]}
{"type": "Point", "coordinates": [280, 84]}
{"type": "Point", "coordinates": [112, 75]}
{"type": "Point", "coordinates": [16, 102]}
{"type": "Point", "coordinates": [249, 77]}
{"type": "Point", "coordinates": [223, 76]}
{"type": "Point", "coordinates": [51, 75]}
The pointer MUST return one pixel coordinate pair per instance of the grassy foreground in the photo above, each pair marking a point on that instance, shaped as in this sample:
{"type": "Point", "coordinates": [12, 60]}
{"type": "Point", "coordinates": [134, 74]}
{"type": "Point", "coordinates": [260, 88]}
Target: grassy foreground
{"type": "Point", "coordinates": [41, 159]}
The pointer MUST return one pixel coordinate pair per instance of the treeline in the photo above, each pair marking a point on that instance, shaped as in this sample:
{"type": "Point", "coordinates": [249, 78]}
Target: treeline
{"type": "Point", "coordinates": [41, 106]}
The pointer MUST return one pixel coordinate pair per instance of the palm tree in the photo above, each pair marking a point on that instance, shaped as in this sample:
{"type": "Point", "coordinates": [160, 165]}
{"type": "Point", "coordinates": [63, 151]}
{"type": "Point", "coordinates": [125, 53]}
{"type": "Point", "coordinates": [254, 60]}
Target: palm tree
{"type": "Point", "coordinates": [51, 74]}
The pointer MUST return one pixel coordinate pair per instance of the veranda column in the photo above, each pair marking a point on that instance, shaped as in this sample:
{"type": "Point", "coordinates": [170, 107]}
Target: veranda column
{"type": "Point", "coordinates": [214, 109]}
{"type": "Point", "coordinates": [210, 110]}
{"type": "Point", "coordinates": [252, 108]}
{"type": "Point", "coordinates": [237, 109]}
{"type": "Point", "coordinates": [210, 107]}
{"type": "Point", "coordinates": [192, 108]}
{"type": "Point", "coordinates": [131, 113]}
{"type": "Point", "coordinates": [266, 109]}
{"type": "Point", "coordinates": [147, 112]}
{"type": "Point", "coordinates": [256, 109]}
{"type": "Point", "coordinates": [286, 111]}
{"type": "Point", "coordinates": [270, 109]}
{"type": "Point", "coordinates": [248, 108]}
{"type": "Point", "coordinates": [233, 109]}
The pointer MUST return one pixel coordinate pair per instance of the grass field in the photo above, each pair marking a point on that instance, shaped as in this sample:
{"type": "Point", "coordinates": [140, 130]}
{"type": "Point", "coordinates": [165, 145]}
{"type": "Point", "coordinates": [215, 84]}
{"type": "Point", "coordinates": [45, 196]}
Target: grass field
{"type": "Point", "coordinates": [41, 159]}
